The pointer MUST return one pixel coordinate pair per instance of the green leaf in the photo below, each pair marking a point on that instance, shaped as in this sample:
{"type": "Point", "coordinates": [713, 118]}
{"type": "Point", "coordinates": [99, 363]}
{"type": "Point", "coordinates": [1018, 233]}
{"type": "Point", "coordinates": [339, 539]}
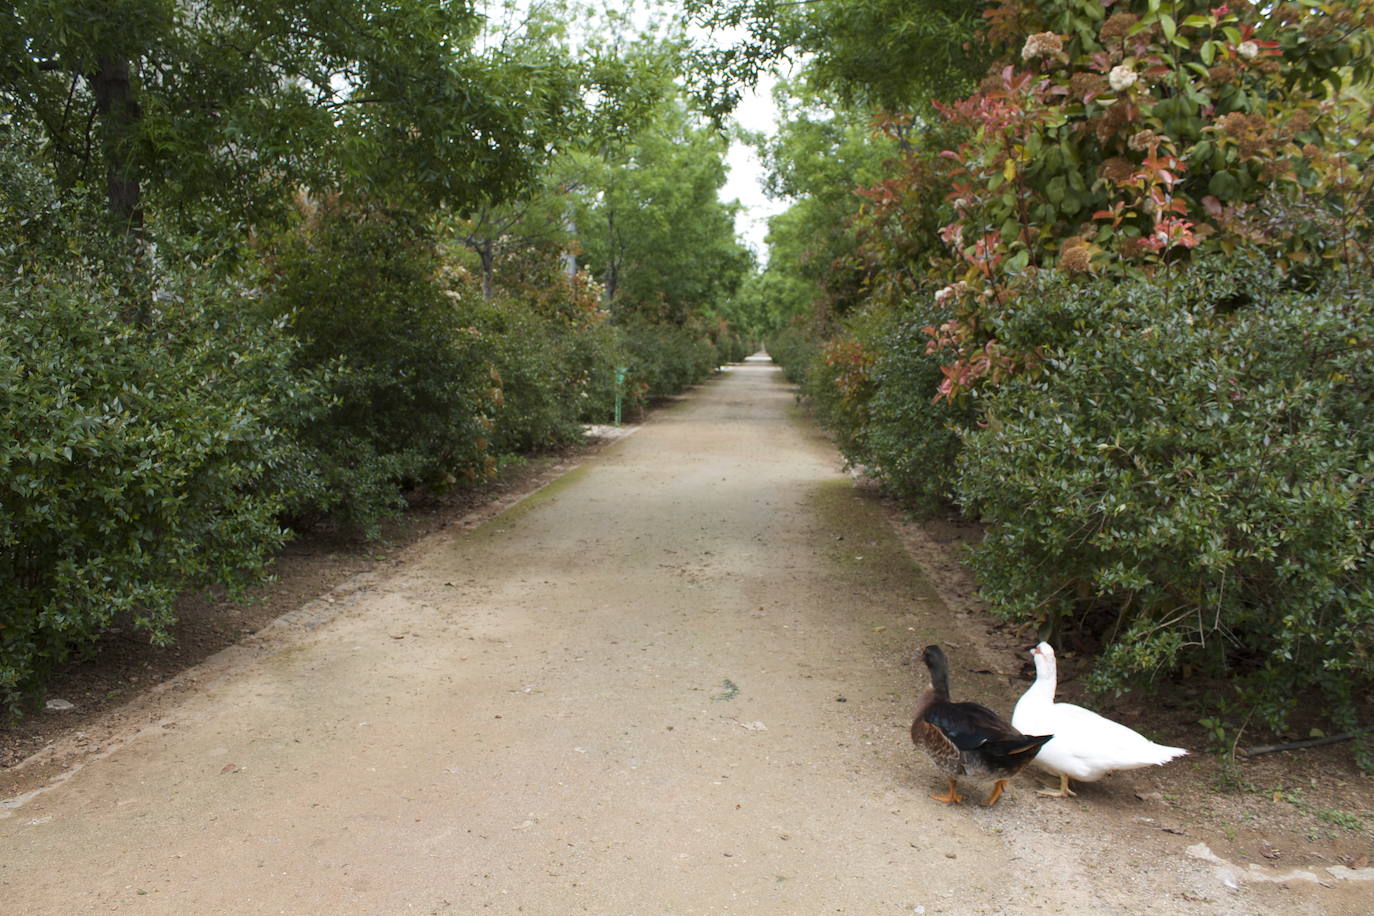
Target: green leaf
{"type": "Point", "coordinates": [1056, 189]}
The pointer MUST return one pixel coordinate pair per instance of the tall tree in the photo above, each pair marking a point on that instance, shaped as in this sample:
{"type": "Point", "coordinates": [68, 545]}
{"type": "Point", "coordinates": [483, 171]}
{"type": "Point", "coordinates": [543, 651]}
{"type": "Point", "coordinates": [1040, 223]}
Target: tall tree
{"type": "Point", "coordinates": [213, 110]}
{"type": "Point", "coordinates": [888, 54]}
{"type": "Point", "coordinates": [653, 227]}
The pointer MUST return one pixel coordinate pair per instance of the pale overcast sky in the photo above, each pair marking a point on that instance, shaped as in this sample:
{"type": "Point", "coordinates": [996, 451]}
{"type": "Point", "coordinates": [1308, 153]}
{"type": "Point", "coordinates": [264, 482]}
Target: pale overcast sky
{"type": "Point", "coordinates": [745, 181]}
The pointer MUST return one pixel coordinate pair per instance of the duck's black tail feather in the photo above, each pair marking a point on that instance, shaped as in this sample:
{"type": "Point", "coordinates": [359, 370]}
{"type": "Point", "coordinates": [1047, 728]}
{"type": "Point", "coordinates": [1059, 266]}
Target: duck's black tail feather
{"type": "Point", "coordinates": [1013, 747]}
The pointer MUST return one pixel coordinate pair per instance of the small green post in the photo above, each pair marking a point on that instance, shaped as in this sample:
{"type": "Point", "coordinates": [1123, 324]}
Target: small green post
{"type": "Point", "coordinates": [619, 391]}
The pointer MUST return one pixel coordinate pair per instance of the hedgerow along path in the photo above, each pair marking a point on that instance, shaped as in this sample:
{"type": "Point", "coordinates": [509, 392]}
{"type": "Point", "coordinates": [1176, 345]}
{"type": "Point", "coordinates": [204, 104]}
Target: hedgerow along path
{"type": "Point", "coordinates": [675, 681]}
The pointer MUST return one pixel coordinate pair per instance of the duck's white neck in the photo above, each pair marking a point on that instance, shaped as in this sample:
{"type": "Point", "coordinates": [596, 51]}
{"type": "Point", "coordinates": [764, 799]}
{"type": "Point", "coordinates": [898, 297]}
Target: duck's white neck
{"type": "Point", "coordinates": [1046, 675]}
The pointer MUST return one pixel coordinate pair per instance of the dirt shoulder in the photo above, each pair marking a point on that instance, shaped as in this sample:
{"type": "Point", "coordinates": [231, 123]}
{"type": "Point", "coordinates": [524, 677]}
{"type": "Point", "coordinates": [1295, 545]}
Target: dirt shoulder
{"type": "Point", "coordinates": [676, 678]}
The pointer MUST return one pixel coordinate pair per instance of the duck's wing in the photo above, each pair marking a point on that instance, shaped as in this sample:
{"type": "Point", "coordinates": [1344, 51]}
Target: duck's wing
{"type": "Point", "coordinates": [969, 725]}
{"type": "Point", "coordinates": [1106, 743]}
{"type": "Point", "coordinates": [931, 738]}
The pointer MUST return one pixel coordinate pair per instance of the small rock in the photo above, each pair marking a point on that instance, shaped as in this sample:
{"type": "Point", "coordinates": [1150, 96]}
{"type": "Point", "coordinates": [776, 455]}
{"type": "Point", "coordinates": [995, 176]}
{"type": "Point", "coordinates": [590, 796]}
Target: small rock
{"type": "Point", "coordinates": [59, 705]}
{"type": "Point", "coordinates": [1150, 796]}
{"type": "Point", "coordinates": [754, 726]}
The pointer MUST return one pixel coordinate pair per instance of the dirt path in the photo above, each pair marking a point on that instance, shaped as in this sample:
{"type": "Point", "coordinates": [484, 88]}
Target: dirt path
{"type": "Point", "coordinates": [675, 681]}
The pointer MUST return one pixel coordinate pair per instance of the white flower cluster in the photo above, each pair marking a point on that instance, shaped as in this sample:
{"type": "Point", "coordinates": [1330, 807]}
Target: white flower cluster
{"type": "Point", "coordinates": [1122, 78]}
{"type": "Point", "coordinates": [953, 291]}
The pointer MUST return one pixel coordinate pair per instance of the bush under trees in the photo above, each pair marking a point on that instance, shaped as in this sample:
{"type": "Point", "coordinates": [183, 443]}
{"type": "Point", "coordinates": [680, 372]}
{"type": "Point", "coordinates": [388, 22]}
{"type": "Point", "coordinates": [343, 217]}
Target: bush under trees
{"type": "Point", "coordinates": [411, 395]}
{"type": "Point", "coordinates": [1186, 477]}
{"type": "Point", "coordinates": [136, 461]}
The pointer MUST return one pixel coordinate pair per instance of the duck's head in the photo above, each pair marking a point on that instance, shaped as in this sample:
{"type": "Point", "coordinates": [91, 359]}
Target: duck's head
{"type": "Point", "coordinates": [938, 665]}
{"type": "Point", "coordinates": [1043, 656]}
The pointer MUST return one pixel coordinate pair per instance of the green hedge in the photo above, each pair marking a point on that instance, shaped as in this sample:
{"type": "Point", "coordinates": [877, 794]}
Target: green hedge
{"type": "Point", "coordinates": [666, 358]}
{"type": "Point", "coordinates": [1188, 478]}
{"type": "Point", "coordinates": [554, 376]}
{"type": "Point", "coordinates": [134, 462]}
{"type": "Point", "coordinates": [872, 386]}
{"type": "Point", "coordinates": [793, 348]}
{"type": "Point", "coordinates": [411, 384]}
{"type": "Point", "coordinates": [910, 442]}
{"type": "Point", "coordinates": [731, 345]}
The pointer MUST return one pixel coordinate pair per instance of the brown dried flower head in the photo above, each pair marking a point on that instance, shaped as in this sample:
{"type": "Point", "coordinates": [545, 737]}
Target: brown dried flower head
{"type": "Point", "coordinates": [1300, 121]}
{"type": "Point", "coordinates": [1117, 26]}
{"type": "Point", "coordinates": [1144, 140]}
{"type": "Point", "coordinates": [1076, 256]}
{"type": "Point", "coordinates": [1133, 248]}
{"type": "Point", "coordinates": [1118, 170]}
{"type": "Point", "coordinates": [1222, 74]}
{"type": "Point", "coordinates": [1250, 132]}
{"type": "Point", "coordinates": [1112, 121]}
{"type": "Point", "coordinates": [1083, 84]}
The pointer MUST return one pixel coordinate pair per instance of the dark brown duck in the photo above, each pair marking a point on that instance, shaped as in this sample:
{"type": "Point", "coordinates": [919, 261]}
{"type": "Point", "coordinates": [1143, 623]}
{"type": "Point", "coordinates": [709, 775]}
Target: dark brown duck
{"type": "Point", "coordinates": [967, 740]}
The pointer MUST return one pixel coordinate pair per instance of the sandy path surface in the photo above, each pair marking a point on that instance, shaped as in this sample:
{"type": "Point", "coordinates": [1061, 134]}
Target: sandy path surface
{"type": "Point", "coordinates": [675, 681]}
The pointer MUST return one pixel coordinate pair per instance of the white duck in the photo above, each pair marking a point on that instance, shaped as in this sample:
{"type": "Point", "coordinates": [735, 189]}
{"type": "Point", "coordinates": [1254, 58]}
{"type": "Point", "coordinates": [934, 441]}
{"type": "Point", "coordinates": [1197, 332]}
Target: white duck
{"type": "Point", "coordinates": [1085, 746]}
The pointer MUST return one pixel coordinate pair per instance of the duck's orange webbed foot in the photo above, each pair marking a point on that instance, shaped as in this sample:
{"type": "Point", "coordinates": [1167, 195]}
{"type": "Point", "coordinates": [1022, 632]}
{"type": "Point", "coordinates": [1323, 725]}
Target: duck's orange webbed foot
{"type": "Point", "coordinates": [952, 797]}
{"type": "Point", "coordinates": [997, 788]}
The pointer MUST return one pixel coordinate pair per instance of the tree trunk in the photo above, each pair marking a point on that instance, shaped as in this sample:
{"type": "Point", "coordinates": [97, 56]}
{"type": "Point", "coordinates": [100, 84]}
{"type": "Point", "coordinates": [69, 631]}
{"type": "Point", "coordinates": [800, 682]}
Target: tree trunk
{"type": "Point", "coordinates": [612, 275]}
{"type": "Point", "coordinates": [119, 114]}
{"type": "Point", "coordinates": [488, 259]}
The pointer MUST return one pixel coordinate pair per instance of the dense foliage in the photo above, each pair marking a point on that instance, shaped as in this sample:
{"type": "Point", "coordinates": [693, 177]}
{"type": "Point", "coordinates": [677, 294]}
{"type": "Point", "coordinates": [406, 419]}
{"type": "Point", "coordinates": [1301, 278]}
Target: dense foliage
{"type": "Point", "coordinates": [136, 462]}
{"type": "Point", "coordinates": [410, 398]}
{"type": "Point", "coordinates": [1188, 478]}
